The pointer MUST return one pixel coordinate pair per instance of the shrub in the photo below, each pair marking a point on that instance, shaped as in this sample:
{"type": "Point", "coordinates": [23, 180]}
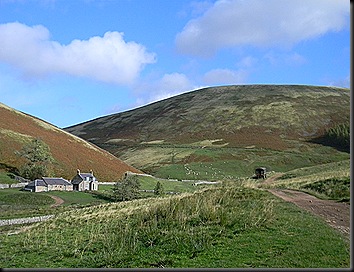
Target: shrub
{"type": "Point", "coordinates": [126, 190]}
{"type": "Point", "coordinates": [159, 190]}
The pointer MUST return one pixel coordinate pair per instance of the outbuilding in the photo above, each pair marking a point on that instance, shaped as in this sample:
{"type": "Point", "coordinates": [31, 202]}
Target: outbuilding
{"type": "Point", "coordinates": [46, 184]}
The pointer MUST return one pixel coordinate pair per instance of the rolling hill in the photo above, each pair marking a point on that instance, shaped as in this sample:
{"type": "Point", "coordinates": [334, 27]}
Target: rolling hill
{"type": "Point", "coordinates": [244, 118]}
{"type": "Point", "coordinates": [69, 152]}
{"type": "Point", "coordinates": [261, 115]}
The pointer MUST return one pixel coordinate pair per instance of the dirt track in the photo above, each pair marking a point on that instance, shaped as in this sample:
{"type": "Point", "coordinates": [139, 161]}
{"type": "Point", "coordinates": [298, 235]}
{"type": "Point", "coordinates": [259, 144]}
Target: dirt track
{"type": "Point", "coordinates": [58, 201]}
{"type": "Point", "coordinates": [336, 214]}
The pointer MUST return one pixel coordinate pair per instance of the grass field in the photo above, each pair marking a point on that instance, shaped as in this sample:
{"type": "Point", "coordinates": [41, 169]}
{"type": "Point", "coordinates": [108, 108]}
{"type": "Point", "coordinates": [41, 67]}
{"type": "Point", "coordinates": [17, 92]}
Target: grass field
{"type": "Point", "coordinates": [6, 179]}
{"type": "Point", "coordinates": [233, 225]}
{"type": "Point", "coordinates": [15, 203]}
{"type": "Point", "coordinates": [218, 163]}
{"type": "Point", "coordinates": [228, 226]}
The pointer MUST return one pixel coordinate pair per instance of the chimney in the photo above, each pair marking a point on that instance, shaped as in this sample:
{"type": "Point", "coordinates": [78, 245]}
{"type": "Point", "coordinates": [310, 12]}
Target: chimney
{"type": "Point", "coordinates": [78, 171]}
{"type": "Point", "coordinates": [91, 172]}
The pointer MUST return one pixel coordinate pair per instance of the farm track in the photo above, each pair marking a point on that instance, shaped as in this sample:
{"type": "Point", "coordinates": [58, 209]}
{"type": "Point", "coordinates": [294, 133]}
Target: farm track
{"type": "Point", "coordinates": [336, 214]}
{"type": "Point", "coordinates": [58, 201]}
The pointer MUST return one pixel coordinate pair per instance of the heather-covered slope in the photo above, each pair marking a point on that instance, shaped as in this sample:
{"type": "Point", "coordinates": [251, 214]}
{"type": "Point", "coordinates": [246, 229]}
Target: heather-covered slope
{"type": "Point", "coordinates": [69, 151]}
{"type": "Point", "coordinates": [261, 115]}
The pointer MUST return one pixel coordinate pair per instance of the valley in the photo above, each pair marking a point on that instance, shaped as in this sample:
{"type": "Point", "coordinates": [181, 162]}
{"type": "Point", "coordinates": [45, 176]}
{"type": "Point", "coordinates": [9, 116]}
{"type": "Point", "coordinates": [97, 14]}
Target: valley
{"type": "Point", "coordinates": [296, 218]}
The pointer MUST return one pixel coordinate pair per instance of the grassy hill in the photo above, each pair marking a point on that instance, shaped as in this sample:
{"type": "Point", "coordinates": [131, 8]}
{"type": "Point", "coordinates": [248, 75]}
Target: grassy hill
{"type": "Point", "coordinates": [223, 227]}
{"type": "Point", "coordinates": [226, 130]}
{"type": "Point", "coordinates": [68, 151]}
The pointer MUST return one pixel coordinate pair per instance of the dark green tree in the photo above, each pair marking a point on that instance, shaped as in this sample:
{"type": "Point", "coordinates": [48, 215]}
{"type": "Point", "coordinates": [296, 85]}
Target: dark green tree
{"type": "Point", "coordinates": [158, 190]}
{"type": "Point", "coordinates": [38, 156]}
{"type": "Point", "coordinates": [127, 189]}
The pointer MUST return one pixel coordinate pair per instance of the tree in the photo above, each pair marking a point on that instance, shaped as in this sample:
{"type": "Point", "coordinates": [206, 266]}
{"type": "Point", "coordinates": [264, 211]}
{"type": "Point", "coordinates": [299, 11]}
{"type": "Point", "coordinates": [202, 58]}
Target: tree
{"type": "Point", "coordinates": [127, 189]}
{"type": "Point", "coordinates": [38, 156]}
{"type": "Point", "coordinates": [159, 189]}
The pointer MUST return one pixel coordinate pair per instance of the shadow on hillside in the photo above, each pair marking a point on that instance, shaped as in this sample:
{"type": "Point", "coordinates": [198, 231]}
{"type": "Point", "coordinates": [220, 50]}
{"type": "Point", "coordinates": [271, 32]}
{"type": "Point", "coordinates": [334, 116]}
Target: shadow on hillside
{"type": "Point", "coordinates": [323, 140]}
{"type": "Point", "coordinates": [102, 196]}
{"type": "Point", "coordinates": [8, 168]}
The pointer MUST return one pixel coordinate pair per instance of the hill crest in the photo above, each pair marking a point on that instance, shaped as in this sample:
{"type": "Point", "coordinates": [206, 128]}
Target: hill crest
{"type": "Point", "coordinates": [266, 116]}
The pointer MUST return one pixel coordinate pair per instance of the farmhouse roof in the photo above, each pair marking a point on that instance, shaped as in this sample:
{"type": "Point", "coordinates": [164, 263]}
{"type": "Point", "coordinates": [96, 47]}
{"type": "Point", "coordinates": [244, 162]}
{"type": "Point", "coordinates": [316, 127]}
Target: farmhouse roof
{"type": "Point", "coordinates": [55, 181]}
{"type": "Point", "coordinates": [45, 181]}
{"type": "Point", "coordinates": [85, 175]}
{"type": "Point", "coordinates": [82, 176]}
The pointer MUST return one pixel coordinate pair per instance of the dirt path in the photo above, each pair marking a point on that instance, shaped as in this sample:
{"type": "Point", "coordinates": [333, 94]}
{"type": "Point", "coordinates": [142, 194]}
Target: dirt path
{"type": "Point", "coordinates": [58, 201]}
{"type": "Point", "coordinates": [336, 214]}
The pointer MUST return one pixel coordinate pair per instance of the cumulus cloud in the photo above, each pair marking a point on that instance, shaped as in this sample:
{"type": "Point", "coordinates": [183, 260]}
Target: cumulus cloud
{"type": "Point", "coordinates": [151, 90]}
{"type": "Point", "coordinates": [247, 62]}
{"type": "Point", "coordinates": [108, 58]}
{"type": "Point", "coordinates": [231, 23]}
{"type": "Point", "coordinates": [225, 76]}
{"type": "Point", "coordinates": [291, 59]}
{"type": "Point", "coordinates": [340, 82]}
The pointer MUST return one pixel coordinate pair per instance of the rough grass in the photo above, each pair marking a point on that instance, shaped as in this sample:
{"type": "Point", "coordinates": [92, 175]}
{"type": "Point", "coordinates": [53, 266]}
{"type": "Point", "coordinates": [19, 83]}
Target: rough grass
{"type": "Point", "coordinates": [299, 177]}
{"type": "Point", "coordinates": [15, 203]}
{"type": "Point", "coordinates": [6, 179]}
{"type": "Point", "coordinates": [261, 115]}
{"type": "Point", "coordinates": [225, 227]}
{"type": "Point", "coordinates": [215, 163]}
{"type": "Point", "coordinates": [334, 188]}
{"type": "Point", "coordinates": [331, 180]}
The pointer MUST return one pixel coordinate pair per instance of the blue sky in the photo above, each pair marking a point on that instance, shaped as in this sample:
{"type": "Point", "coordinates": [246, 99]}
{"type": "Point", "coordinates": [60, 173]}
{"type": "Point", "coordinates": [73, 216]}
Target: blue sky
{"type": "Point", "coordinates": [67, 62]}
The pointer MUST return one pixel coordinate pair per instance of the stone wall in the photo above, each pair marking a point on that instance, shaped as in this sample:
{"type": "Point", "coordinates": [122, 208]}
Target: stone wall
{"type": "Point", "coordinates": [13, 185]}
{"type": "Point", "coordinates": [26, 220]}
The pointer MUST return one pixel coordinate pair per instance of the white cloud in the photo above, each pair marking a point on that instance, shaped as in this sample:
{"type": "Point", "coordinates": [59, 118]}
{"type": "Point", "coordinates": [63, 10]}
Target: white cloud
{"type": "Point", "coordinates": [225, 76]}
{"type": "Point", "coordinates": [108, 58]}
{"type": "Point", "coordinates": [247, 62]}
{"type": "Point", "coordinates": [291, 59]}
{"type": "Point", "coordinates": [231, 23]}
{"type": "Point", "coordinates": [339, 82]}
{"type": "Point", "coordinates": [151, 90]}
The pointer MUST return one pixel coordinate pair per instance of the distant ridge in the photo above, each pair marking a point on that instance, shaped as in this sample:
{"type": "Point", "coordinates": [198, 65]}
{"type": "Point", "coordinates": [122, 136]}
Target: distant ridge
{"type": "Point", "coordinates": [70, 152]}
{"type": "Point", "coordinates": [264, 116]}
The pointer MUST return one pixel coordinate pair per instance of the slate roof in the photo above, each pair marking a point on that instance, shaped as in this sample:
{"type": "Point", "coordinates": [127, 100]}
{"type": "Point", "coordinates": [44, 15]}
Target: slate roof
{"type": "Point", "coordinates": [82, 176]}
{"type": "Point", "coordinates": [37, 182]}
{"type": "Point", "coordinates": [56, 181]}
{"type": "Point", "coordinates": [85, 175]}
{"type": "Point", "coordinates": [48, 181]}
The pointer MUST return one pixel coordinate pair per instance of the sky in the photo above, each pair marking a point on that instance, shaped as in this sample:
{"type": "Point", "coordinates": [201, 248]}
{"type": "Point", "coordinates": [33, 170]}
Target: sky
{"type": "Point", "coordinates": [70, 61]}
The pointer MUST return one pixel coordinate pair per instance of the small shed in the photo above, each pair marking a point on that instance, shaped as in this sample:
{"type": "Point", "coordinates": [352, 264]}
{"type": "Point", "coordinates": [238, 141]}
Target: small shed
{"type": "Point", "coordinates": [261, 172]}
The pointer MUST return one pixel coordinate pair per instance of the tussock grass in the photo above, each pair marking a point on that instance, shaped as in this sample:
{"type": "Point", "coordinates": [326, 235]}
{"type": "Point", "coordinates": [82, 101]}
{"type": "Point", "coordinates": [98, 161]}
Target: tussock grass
{"type": "Point", "coordinates": [331, 180]}
{"type": "Point", "coordinates": [187, 230]}
{"type": "Point", "coordinates": [299, 177]}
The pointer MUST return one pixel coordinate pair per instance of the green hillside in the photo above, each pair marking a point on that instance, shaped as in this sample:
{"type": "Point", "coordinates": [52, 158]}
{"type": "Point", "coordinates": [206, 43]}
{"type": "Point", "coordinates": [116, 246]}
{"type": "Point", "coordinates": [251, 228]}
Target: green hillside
{"type": "Point", "coordinates": [226, 130]}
